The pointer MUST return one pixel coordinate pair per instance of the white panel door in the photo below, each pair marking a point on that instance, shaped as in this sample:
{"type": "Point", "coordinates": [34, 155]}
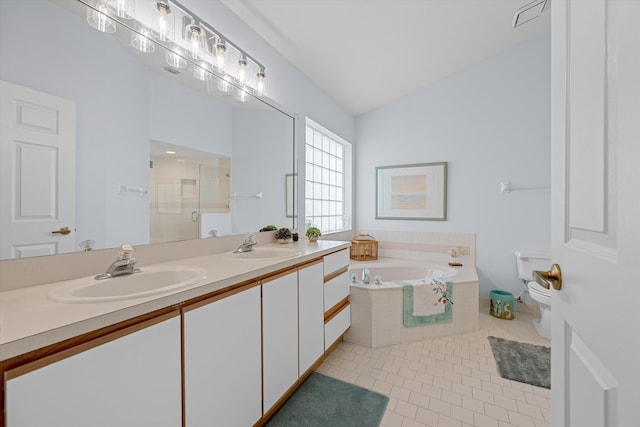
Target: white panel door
{"type": "Point", "coordinates": [134, 380]}
{"type": "Point", "coordinates": [595, 166]}
{"type": "Point", "coordinates": [222, 361]}
{"type": "Point", "coordinates": [279, 337]}
{"type": "Point", "coordinates": [310, 315]}
{"type": "Point", "coordinates": [37, 172]}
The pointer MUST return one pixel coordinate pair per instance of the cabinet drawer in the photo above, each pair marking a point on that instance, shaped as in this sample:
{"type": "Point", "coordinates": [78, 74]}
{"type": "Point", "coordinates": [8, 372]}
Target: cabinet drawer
{"type": "Point", "coordinates": [337, 326]}
{"type": "Point", "coordinates": [335, 290]}
{"type": "Point", "coordinates": [335, 261]}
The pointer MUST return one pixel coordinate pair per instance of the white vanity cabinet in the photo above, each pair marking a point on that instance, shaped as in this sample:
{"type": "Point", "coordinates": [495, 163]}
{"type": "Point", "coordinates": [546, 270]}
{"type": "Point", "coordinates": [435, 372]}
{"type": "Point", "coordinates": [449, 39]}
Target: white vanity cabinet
{"type": "Point", "coordinates": [222, 359]}
{"type": "Point", "coordinates": [310, 315]}
{"type": "Point", "coordinates": [127, 378]}
{"type": "Point", "coordinates": [279, 336]}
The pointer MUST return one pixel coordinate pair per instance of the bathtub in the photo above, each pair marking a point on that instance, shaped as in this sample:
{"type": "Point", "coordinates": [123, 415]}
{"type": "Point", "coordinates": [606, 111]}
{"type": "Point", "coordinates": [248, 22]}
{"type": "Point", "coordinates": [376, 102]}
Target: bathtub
{"type": "Point", "coordinates": [388, 272]}
{"type": "Point", "coordinates": [377, 310]}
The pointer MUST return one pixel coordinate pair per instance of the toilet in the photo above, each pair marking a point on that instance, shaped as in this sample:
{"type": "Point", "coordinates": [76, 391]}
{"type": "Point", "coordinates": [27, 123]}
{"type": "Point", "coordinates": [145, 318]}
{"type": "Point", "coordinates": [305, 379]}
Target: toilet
{"type": "Point", "coordinates": [527, 262]}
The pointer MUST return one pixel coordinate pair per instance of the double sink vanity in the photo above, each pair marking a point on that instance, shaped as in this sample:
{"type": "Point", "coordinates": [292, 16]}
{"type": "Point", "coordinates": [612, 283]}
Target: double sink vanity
{"type": "Point", "coordinates": [221, 339]}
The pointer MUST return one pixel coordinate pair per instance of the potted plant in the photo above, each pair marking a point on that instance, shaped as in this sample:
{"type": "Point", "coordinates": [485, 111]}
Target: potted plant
{"type": "Point", "coordinates": [313, 233]}
{"type": "Point", "coordinates": [283, 235]}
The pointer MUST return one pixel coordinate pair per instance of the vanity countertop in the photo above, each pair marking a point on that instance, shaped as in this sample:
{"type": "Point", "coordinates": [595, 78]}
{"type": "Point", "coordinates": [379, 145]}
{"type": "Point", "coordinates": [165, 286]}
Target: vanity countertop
{"type": "Point", "coordinates": [29, 319]}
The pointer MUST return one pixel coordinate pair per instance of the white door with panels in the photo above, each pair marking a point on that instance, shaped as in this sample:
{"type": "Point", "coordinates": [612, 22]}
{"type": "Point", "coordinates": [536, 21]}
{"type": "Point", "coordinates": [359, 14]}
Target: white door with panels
{"type": "Point", "coordinates": [37, 172]}
{"type": "Point", "coordinates": [595, 204]}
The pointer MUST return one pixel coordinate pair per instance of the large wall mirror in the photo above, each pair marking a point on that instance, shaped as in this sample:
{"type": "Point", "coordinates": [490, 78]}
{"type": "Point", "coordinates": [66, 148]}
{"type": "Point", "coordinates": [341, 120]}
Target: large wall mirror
{"type": "Point", "coordinates": [158, 153]}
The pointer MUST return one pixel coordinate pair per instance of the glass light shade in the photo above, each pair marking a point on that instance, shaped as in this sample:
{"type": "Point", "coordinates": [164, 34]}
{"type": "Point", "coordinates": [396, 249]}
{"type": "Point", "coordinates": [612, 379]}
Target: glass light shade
{"type": "Point", "coordinates": [261, 83]}
{"type": "Point", "coordinates": [242, 70]}
{"type": "Point", "coordinates": [99, 19]}
{"type": "Point", "coordinates": [224, 84]}
{"type": "Point", "coordinates": [242, 94]}
{"type": "Point", "coordinates": [124, 8]}
{"type": "Point", "coordinates": [175, 58]}
{"type": "Point", "coordinates": [164, 29]}
{"type": "Point", "coordinates": [221, 56]}
{"type": "Point", "coordinates": [141, 41]}
{"type": "Point", "coordinates": [201, 72]}
{"type": "Point", "coordinates": [194, 35]}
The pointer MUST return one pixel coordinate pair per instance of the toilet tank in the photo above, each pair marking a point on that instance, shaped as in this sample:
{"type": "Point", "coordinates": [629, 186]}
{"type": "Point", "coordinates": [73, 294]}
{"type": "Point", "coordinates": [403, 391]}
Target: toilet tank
{"type": "Point", "coordinates": [528, 261]}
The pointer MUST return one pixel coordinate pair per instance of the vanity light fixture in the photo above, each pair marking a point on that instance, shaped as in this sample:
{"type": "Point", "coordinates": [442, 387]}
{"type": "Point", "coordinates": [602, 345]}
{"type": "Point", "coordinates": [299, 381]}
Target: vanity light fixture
{"type": "Point", "coordinates": [221, 53]}
{"type": "Point", "coordinates": [242, 67]}
{"type": "Point", "coordinates": [165, 25]}
{"type": "Point", "coordinates": [196, 39]}
{"type": "Point", "coordinates": [185, 36]}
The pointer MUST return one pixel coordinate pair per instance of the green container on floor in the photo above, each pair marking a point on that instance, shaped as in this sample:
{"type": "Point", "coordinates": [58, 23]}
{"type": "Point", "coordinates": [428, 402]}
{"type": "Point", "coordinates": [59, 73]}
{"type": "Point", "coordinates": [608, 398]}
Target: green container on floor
{"type": "Point", "coordinates": [501, 304]}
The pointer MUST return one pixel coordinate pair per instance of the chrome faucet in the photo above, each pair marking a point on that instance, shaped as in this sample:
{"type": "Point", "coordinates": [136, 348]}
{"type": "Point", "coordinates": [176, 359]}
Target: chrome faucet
{"type": "Point", "coordinates": [125, 264]}
{"type": "Point", "coordinates": [366, 276]}
{"type": "Point", "coordinates": [248, 244]}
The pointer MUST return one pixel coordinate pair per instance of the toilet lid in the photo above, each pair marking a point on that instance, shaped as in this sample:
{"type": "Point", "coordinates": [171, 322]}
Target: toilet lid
{"type": "Point", "coordinates": [537, 287]}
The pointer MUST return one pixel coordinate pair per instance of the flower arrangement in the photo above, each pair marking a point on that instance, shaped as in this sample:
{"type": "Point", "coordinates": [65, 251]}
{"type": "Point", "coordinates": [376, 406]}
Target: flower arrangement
{"type": "Point", "coordinates": [313, 233]}
{"type": "Point", "coordinates": [283, 235]}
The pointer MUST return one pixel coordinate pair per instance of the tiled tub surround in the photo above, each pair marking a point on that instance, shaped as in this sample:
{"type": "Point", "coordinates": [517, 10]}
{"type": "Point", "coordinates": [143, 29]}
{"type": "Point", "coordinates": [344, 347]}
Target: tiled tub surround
{"type": "Point", "coordinates": [376, 311]}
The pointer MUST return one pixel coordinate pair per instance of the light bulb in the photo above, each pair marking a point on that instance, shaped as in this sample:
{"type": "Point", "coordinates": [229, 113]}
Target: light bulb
{"type": "Point", "coordinates": [260, 89]}
{"type": "Point", "coordinates": [164, 27]}
{"type": "Point", "coordinates": [142, 42]}
{"type": "Point", "coordinates": [242, 72]}
{"type": "Point", "coordinates": [194, 35]}
{"type": "Point", "coordinates": [124, 8]}
{"type": "Point", "coordinates": [99, 19]}
{"type": "Point", "coordinates": [175, 58]}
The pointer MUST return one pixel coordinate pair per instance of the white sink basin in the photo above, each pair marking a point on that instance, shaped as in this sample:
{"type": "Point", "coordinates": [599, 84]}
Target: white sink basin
{"type": "Point", "coordinates": [151, 281]}
{"type": "Point", "coordinates": [263, 254]}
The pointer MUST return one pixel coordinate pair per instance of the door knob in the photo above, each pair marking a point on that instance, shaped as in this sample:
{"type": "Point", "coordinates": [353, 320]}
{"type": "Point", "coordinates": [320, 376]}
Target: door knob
{"type": "Point", "coordinates": [63, 231]}
{"type": "Point", "coordinates": [551, 278]}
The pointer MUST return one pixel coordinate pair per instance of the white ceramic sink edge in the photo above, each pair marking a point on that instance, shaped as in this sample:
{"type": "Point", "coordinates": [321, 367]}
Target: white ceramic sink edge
{"type": "Point", "coordinates": [150, 281]}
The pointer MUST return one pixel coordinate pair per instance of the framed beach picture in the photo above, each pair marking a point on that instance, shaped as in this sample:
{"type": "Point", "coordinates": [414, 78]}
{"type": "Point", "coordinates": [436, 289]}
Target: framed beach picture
{"type": "Point", "coordinates": [414, 192]}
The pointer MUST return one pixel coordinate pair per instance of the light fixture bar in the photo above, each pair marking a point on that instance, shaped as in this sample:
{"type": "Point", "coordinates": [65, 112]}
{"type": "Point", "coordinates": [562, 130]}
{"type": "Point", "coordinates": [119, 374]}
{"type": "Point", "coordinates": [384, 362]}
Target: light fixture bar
{"type": "Point", "coordinates": [212, 30]}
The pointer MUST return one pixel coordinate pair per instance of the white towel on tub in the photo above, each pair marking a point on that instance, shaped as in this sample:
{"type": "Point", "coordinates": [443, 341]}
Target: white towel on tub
{"type": "Point", "coordinates": [426, 302]}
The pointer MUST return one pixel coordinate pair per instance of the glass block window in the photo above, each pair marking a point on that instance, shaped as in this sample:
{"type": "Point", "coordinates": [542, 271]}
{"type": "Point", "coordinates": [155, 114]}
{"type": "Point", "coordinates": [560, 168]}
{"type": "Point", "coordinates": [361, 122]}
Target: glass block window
{"type": "Point", "coordinates": [327, 180]}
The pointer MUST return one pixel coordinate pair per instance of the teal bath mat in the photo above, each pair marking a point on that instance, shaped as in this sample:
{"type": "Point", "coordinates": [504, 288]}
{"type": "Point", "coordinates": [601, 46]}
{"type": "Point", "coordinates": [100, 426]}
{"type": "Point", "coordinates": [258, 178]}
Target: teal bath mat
{"type": "Point", "coordinates": [322, 401]}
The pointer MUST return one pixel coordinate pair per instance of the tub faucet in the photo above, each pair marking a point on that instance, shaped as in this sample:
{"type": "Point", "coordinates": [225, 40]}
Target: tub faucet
{"type": "Point", "coordinates": [125, 264]}
{"type": "Point", "coordinates": [366, 276]}
{"type": "Point", "coordinates": [248, 244]}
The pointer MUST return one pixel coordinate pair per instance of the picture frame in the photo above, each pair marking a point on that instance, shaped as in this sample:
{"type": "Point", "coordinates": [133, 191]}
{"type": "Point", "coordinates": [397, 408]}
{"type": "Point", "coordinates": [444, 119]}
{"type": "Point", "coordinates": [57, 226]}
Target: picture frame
{"type": "Point", "coordinates": [412, 192]}
{"type": "Point", "coordinates": [291, 186]}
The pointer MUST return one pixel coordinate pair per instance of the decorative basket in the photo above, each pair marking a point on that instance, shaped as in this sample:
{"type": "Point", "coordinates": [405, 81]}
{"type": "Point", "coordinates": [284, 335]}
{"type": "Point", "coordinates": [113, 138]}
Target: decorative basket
{"type": "Point", "coordinates": [364, 247]}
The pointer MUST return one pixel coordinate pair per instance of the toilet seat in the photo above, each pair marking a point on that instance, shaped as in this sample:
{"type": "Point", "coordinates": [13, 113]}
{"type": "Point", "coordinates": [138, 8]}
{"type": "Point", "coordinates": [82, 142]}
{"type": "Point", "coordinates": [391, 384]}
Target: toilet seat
{"type": "Point", "coordinates": [539, 293]}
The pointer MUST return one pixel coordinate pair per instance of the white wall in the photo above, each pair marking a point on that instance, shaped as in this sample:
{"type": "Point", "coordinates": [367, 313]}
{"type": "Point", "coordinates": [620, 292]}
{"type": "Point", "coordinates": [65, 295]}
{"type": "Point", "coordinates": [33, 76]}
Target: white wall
{"type": "Point", "coordinates": [491, 123]}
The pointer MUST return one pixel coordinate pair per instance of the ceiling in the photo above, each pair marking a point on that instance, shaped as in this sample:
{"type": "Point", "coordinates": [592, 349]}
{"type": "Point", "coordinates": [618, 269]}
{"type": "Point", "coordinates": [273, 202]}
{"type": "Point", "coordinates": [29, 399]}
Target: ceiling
{"type": "Point", "coordinates": [366, 53]}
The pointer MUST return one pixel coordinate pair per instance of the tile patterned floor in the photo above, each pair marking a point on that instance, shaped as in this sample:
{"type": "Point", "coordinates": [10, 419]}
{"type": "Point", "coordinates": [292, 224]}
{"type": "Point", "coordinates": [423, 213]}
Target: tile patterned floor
{"type": "Point", "coordinates": [447, 381]}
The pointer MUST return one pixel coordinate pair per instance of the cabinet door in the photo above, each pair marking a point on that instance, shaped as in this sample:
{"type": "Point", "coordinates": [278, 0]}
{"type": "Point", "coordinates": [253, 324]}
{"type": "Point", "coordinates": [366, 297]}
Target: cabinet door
{"type": "Point", "coordinates": [310, 315]}
{"type": "Point", "coordinates": [222, 361]}
{"type": "Point", "coordinates": [279, 336]}
{"type": "Point", "coordinates": [131, 380]}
